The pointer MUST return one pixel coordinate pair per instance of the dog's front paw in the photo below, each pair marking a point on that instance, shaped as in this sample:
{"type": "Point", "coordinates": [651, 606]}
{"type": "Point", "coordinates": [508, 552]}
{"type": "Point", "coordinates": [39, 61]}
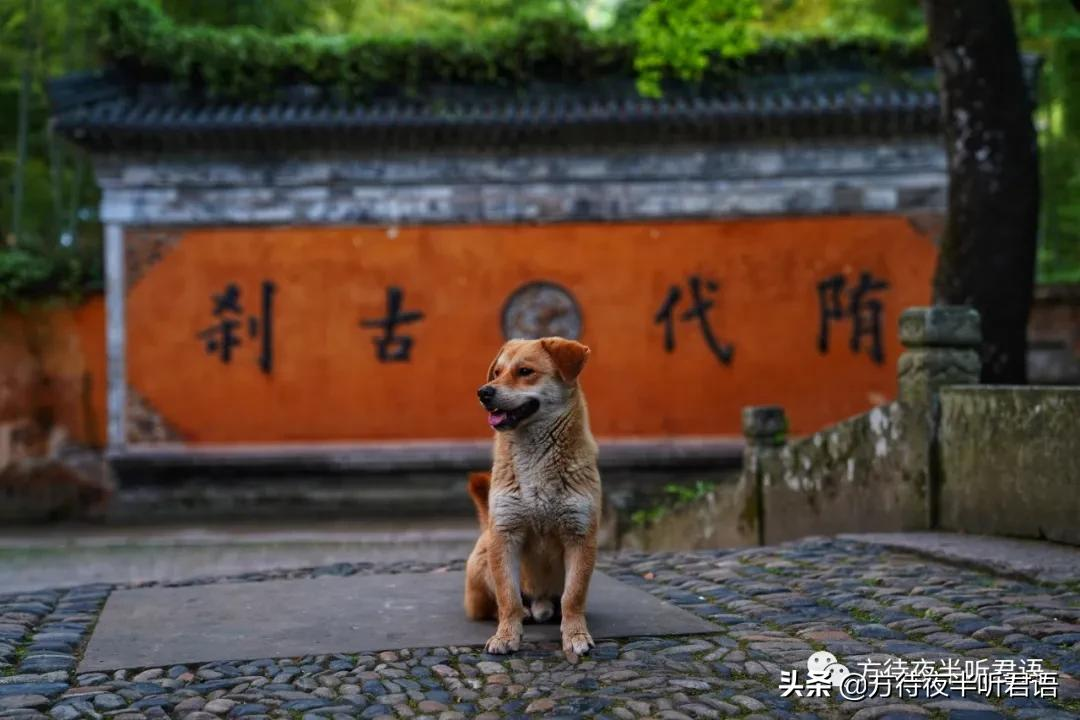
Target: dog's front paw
{"type": "Point", "coordinates": [505, 640]}
{"type": "Point", "coordinates": [576, 642]}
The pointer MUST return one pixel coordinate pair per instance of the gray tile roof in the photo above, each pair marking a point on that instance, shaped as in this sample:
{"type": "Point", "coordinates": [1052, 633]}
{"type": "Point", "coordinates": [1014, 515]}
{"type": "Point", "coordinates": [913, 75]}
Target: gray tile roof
{"type": "Point", "coordinates": [101, 112]}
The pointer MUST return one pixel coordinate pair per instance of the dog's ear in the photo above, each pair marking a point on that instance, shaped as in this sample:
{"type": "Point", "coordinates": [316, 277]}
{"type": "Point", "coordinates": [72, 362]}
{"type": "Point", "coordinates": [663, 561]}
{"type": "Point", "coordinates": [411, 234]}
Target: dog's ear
{"type": "Point", "coordinates": [494, 361]}
{"type": "Point", "coordinates": [569, 356]}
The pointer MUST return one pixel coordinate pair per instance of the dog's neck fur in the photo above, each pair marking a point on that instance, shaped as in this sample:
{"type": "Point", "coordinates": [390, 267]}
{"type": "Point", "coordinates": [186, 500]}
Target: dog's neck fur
{"type": "Point", "coordinates": [545, 441]}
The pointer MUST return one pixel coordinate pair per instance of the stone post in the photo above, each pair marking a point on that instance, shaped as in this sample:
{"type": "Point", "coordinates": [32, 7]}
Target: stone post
{"type": "Point", "coordinates": [941, 347]}
{"type": "Point", "coordinates": [765, 428]}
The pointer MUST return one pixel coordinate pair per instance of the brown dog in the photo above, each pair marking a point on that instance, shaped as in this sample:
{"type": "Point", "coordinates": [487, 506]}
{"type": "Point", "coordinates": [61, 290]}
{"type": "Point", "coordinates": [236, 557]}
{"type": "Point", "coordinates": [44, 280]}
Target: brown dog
{"type": "Point", "coordinates": [539, 508]}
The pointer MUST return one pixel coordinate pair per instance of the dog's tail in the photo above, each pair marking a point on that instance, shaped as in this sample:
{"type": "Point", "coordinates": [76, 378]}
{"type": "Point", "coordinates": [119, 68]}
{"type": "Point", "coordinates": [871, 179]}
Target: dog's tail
{"type": "Point", "coordinates": [479, 485]}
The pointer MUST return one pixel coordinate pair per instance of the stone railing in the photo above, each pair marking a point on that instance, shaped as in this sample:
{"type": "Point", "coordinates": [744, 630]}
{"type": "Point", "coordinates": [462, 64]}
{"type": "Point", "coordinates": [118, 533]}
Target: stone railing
{"type": "Point", "coordinates": [949, 454]}
{"type": "Point", "coordinates": [875, 471]}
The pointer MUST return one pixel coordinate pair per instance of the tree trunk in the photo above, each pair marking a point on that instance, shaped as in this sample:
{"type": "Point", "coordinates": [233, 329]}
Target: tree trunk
{"type": "Point", "coordinates": [987, 257]}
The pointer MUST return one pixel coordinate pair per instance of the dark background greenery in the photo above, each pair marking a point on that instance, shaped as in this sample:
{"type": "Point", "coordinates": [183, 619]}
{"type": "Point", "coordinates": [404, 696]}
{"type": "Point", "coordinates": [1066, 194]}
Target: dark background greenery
{"type": "Point", "coordinates": [51, 240]}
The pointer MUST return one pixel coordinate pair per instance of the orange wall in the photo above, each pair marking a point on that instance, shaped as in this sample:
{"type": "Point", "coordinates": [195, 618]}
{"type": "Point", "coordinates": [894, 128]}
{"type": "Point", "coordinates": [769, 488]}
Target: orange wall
{"type": "Point", "coordinates": [53, 368]}
{"type": "Point", "coordinates": [326, 383]}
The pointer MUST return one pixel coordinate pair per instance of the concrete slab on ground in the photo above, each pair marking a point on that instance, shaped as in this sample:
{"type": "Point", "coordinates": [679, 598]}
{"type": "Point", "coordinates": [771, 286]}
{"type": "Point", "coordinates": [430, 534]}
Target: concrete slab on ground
{"type": "Point", "coordinates": [289, 618]}
{"type": "Point", "coordinates": [1033, 560]}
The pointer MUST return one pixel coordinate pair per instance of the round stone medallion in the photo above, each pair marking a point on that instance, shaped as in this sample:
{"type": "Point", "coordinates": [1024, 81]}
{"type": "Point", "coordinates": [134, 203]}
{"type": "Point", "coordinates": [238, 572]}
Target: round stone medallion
{"type": "Point", "coordinates": [541, 309]}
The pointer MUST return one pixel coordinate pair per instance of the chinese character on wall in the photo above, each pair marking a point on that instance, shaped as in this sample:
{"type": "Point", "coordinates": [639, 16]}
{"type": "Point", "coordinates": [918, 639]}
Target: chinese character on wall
{"type": "Point", "coordinates": [701, 304]}
{"type": "Point", "coordinates": [390, 346]}
{"type": "Point", "coordinates": [861, 304]}
{"type": "Point", "coordinates": [231, 325]}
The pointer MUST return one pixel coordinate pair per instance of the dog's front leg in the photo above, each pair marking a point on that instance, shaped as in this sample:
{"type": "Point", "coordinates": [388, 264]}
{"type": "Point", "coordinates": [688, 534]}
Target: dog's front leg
{"type": "Point", "coordinates": [505, 559]}
{"type": "Point", "coordinates": [580, 558]}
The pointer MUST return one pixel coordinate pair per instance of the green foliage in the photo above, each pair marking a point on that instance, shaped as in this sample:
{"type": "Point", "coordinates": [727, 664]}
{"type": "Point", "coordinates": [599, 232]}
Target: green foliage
{"type": "Point", "coordinates": [422, 18]}
{"type": "Point", "coordinates": [276, 16]}
{"type": "Point", "coordinates": [645, 517]}
{"type": "Point", "coordinates": [684, 494]}
{"type": "Point", "coordinates": [31, 273]}
{"type": "Point", "coordinates": [884, 21]}
{"type": "Point", "coordinates": [535, 39]}
{"type": "Point", "coordinates": [1051, 28]}
{"type": "Point", "coordinates": [675, 496]}
{"type": "Point", "coordinates": [483, 42]}
{"type": "Point", "coordinates": [44, 39]}
{"type": "Point", "coordinates": [683, 37]}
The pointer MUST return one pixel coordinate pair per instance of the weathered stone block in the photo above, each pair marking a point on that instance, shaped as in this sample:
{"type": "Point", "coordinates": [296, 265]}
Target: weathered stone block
{"type": "Point", "coordinates": [942, 349]}
{"type": "Point", "coordinates": [922, 372]}
{"type": "Point", "coordinates": [851, 477]}
{"type": "Point", "coordinates": [1009, 461]}
{"type": "Point", "coordinates": [764, 424]}
{"type": "Point", "coordinates": [940, 326]}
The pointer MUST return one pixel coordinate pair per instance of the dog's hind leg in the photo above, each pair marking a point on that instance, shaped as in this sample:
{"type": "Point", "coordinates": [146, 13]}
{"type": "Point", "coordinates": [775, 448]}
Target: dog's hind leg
{"type": "Point", "coordinates": [479, 599]}
{"type": "Point", "coordinates": [479, 602]}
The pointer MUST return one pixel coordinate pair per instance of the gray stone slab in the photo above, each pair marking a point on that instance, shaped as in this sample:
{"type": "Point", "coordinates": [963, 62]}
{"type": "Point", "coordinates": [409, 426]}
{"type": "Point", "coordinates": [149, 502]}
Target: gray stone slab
{"type": "Point", "coordinates": [1033, 560]}
{"type": "Point", "coordinates": [155, 627]}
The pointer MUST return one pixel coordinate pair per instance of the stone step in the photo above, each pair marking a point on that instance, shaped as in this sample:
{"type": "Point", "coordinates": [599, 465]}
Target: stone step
{"type": "Point", "coordinates": [369, 480]}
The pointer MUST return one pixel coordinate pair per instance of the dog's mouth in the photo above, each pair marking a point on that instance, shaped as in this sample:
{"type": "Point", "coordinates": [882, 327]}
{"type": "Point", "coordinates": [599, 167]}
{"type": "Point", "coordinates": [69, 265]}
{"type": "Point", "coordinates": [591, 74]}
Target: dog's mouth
{"type": "Point", "coordinates": [503, 419]}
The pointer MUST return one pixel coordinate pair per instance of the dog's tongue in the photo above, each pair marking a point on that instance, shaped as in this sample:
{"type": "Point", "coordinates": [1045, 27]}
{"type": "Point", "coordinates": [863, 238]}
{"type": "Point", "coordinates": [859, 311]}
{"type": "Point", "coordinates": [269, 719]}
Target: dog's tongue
{"type": "Point", "coordinates": [494, 418]}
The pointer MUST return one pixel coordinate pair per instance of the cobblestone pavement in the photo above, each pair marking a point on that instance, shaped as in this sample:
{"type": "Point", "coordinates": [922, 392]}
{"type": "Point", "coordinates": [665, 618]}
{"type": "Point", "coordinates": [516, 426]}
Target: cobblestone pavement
{"type": "Point", "coordinates": [775, 606]}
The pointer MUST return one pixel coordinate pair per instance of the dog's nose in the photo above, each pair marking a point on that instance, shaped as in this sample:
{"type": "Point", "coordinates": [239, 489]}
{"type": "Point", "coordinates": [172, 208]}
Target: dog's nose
{"type": "Point", "coordinates": [485, 393]}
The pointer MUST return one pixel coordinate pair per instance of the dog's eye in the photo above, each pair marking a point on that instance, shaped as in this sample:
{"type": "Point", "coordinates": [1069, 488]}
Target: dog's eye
{"type": "Point", "coordinates": [525, 372]}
